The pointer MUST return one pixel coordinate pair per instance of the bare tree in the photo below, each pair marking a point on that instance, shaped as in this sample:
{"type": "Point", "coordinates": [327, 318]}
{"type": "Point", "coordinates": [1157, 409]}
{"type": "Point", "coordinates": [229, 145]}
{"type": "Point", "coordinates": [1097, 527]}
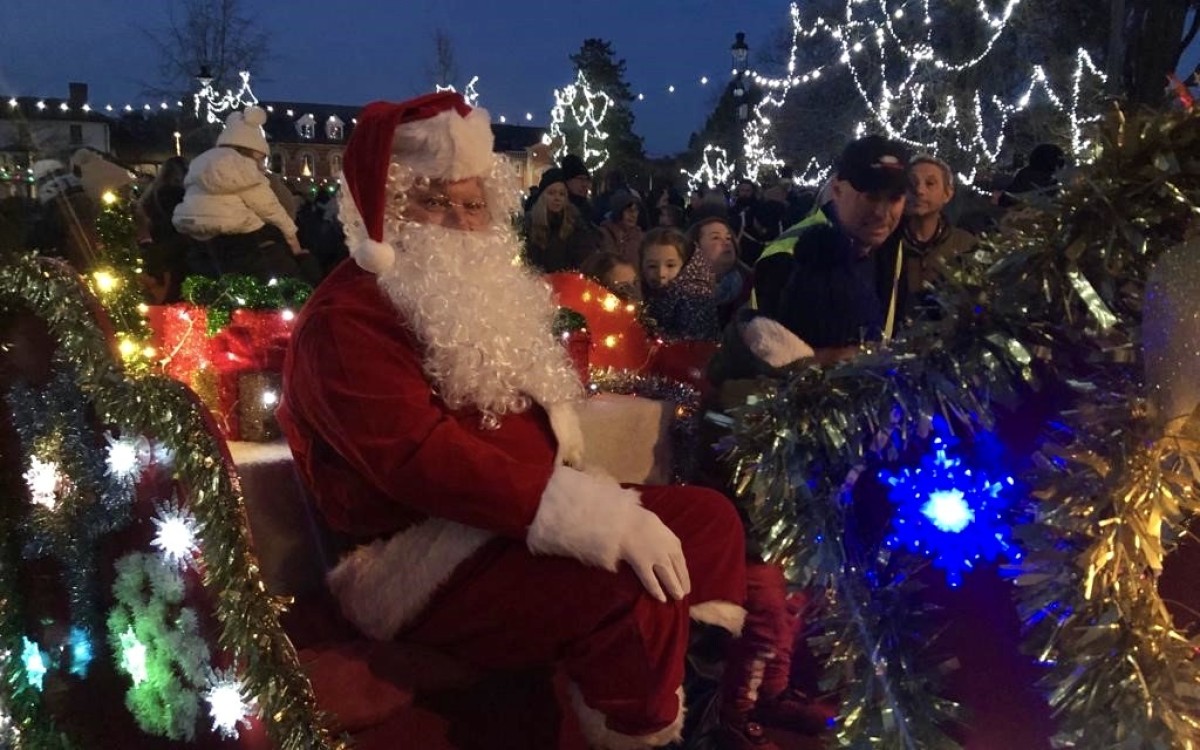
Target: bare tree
{"type": "Point", "coordinates": [217, 35]}
{"type": "Point", "coordinates": [444, 70]}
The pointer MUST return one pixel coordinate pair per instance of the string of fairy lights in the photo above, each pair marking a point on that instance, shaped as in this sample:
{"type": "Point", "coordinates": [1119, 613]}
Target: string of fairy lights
{"type": "Point", "coordinates": [889, 52]}
{"type": "Point", "coordinates": [900, 107]}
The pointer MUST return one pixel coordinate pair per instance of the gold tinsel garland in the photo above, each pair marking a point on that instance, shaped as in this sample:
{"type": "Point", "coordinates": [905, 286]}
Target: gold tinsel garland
{"type": "Point", "coordinates": [162, 408]}
{"type": "Point", "coordinates": [1053, 300]}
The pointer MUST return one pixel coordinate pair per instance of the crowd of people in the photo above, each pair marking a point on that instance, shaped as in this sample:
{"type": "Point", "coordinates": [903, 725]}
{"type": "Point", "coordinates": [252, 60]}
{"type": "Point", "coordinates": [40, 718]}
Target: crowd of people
{"type": "Point", "coordinates": [433, 415]}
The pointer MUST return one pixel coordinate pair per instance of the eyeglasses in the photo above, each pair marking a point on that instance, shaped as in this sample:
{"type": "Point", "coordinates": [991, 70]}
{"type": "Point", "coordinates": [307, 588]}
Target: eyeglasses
{"type": "Point", "coordinates": [440, 204]}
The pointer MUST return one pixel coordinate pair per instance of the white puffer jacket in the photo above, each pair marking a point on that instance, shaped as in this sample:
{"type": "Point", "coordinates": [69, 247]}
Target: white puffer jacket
{"type": "Point", "coordinates": [226, 193]}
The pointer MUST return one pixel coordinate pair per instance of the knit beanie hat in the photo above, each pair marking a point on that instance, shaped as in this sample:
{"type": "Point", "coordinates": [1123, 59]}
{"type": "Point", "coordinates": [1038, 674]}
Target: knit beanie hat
{"type": "Point", "coordinates": [245, 129]}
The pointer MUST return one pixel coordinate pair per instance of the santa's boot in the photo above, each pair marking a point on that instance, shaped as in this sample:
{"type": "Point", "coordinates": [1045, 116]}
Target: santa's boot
{"type": "Point", "coordinates": [779, 704]}
{"type": "Point", "coordinates": [792, 709]}
{"type": "Point", "coordinates": [748, 657]}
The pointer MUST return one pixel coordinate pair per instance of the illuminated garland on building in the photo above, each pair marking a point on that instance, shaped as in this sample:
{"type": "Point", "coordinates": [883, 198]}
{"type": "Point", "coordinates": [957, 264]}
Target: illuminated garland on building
{"type": "Point", "coordinates": [577, 123]}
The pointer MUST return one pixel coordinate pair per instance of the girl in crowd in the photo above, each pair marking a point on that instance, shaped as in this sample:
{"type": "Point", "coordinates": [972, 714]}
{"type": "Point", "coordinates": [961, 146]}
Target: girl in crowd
{"type": "Point", "coordinates": [557, 236]}
{"type": "Point", "coordinates": [712, 238]}
{"type": "Point", "coordinates": [615, 273]}
{"type": "Point", "coordinates": [678, 286]}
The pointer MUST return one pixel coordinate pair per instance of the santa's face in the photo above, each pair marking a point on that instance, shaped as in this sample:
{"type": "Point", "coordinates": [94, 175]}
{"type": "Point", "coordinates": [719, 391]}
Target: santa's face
{"type": "Point", "coordinates": [482, 318]}
{"type": "Point", "coordinates": [458, 205]}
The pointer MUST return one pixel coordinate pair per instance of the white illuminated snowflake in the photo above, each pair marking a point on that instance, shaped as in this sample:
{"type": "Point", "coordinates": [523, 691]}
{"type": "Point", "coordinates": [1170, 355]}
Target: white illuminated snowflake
{"type": "Point", "coordinates": [227, 703]}
{"type": "Point", "coordinates": [43, 479]}
{"type": "Point", "coordinates": [175, 533]}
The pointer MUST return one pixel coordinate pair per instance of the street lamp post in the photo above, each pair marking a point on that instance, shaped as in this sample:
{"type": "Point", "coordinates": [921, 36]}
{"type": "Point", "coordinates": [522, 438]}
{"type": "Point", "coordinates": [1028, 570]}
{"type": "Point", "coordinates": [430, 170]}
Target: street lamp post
{"type": "Point", "coordinates": [739, 51]}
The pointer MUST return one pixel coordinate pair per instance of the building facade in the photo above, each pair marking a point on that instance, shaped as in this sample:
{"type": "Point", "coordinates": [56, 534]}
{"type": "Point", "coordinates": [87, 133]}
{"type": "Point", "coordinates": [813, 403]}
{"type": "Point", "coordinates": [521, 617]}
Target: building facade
{"type": "Point", "coordinates": [307, 139]}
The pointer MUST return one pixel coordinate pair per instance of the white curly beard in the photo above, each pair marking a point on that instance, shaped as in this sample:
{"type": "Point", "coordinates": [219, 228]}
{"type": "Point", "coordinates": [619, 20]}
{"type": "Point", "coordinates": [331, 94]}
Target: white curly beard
{"type": "Point", "coordinates": [483, 319]}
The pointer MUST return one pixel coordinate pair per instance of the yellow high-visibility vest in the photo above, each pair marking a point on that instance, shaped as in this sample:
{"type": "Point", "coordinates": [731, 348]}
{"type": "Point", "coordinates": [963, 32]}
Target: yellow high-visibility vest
{"type": "Point", "coordinates": [786, 242]}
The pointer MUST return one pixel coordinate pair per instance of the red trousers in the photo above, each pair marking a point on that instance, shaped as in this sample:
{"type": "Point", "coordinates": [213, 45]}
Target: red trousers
{"type": "Point", "coordinates": [505, 608]}
{"type": "Point", "coordinates": [760, 661]}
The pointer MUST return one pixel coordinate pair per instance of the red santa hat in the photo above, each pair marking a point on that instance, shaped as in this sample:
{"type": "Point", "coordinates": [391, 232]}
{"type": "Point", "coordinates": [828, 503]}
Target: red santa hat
{"type": "Point", "coordinates": [437, 135]}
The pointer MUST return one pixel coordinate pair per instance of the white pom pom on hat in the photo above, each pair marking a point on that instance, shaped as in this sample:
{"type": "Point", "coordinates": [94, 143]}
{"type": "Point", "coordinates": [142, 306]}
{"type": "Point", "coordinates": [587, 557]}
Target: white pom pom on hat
{"type": "Point", "coordinates": [437, 135]}
{"type": "Point", "coordinates": [245, 129]}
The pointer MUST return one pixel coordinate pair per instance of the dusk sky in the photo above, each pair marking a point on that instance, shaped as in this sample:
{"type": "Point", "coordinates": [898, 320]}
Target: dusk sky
{"type": "Point", "coordinates": [354, 51]}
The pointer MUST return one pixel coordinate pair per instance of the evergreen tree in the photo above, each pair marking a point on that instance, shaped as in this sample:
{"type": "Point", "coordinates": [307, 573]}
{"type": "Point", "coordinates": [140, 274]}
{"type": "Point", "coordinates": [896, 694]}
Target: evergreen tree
{"type": "Point", "coordinates": [598, 64]}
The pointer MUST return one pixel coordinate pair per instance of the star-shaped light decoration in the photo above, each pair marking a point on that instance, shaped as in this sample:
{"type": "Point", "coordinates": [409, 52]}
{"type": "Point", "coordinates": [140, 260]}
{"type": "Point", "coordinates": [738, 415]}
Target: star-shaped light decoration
{"type": "Point", "coordinates": [43, 478]}
{"type": "Point", "coordinates": [176, 532]}
{"type": "Point", "coordinates": [952, 513]}
{"type": "Point", "coordinates": [34, 660]}
{"type": "Point", "coordinates": [79, 643]}
{"type": "Point", "coordinates": [227, 703]}
{"type": "Point", "coordinates": [133, 657]}
{"type": "Point", "coordinates": [127, 457]}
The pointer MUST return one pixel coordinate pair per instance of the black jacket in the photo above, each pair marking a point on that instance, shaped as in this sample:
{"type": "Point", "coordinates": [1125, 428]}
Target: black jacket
{"type": "Point", "coordinates": [836, 297]}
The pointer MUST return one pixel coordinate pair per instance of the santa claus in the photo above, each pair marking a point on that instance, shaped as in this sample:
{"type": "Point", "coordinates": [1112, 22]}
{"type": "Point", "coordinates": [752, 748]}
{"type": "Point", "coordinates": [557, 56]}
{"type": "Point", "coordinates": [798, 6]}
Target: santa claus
{"type": "Point", "coordinates": [432, 414]}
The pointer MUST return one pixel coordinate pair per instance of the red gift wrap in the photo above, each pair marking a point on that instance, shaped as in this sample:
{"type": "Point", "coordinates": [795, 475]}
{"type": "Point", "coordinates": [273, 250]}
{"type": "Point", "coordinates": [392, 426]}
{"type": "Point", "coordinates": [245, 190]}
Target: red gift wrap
{"type": "Point", "coordinates": [619, 340]}
{"type": "Point", "coordinates": [579, 347]}
{"type": "Point", "coordinates": [255, 341]}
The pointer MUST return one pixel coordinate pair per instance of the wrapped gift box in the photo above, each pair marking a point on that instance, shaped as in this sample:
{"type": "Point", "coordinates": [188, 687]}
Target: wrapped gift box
{"type": "Point", "coordinates": [235, 372]}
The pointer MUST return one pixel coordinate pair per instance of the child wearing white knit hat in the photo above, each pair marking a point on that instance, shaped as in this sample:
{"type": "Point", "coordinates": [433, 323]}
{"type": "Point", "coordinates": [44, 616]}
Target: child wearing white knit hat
{"type": "Point", "coordinates": [230, 207]}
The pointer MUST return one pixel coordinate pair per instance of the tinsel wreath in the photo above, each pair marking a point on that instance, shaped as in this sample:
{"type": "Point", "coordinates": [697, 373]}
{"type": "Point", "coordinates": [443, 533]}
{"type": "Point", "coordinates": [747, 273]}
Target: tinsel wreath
{"type": "Point", "coordinates": [150, 405]}
{"type": "Point", "coordinates": [1052, 299]}
{"type": "Point", "coordinates": [233, 291]}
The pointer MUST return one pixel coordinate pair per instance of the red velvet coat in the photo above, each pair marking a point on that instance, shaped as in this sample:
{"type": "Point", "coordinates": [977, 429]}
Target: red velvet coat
{"type": "Point", "coordinates": [377, 447]}
{"type": "Point", "coordinates": [419, 487]}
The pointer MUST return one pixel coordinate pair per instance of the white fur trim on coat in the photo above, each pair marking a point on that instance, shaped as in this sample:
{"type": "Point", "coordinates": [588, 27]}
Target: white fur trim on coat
{"type": "Point", "coordinates": [447, 146]}
{"type": "Point", "coordinates": [381, 586]}
{"type": "Point", "coordinates": [596, 732]}
{"type": "Point", "coordinates": [583, 517]}
{"type": "Point", "coordinates": [725, 615]}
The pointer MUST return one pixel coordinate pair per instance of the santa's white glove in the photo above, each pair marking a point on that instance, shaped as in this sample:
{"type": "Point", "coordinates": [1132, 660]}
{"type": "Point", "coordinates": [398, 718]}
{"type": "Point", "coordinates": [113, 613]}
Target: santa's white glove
{"type": "Point", "coordinates": [772, 343]}
{"type": "Point", "coordinates": [656, 556]}
{"type": "Point", "coordinates": [599, 522]}
{"type": "Point", "coordinates": [564, 421]}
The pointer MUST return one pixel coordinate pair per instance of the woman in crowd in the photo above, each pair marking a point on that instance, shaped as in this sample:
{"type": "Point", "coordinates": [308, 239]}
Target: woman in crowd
{"type": "Point", "coordinates": [557, 236]}
{"type": "Point", "coordinates": [622, 234]}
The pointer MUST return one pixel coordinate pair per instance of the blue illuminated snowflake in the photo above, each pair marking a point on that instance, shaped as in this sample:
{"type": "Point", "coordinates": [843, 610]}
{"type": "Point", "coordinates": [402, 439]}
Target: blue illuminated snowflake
{"type": "Point", "coordinates": [954, 514]}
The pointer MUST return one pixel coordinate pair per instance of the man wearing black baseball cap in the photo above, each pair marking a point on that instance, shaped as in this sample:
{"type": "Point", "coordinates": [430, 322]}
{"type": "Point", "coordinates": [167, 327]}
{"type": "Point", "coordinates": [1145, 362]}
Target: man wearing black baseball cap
{"type": "Point", "coordinates": [836, 285]}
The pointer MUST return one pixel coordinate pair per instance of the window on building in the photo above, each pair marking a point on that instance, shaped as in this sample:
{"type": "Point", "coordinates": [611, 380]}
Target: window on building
{"type": "Point", "coordinates": [278, 162]}
{"type": "Point", "coordinates": [76, 135]}
{"type": "Point", "coordinates": [334, 128]}
{"type": "Point", "coordinates": [306, 126]}
{"type": "Point", "coordinates": [335, 163]}
{"type": "Point", "coordinates": [308, 165]}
